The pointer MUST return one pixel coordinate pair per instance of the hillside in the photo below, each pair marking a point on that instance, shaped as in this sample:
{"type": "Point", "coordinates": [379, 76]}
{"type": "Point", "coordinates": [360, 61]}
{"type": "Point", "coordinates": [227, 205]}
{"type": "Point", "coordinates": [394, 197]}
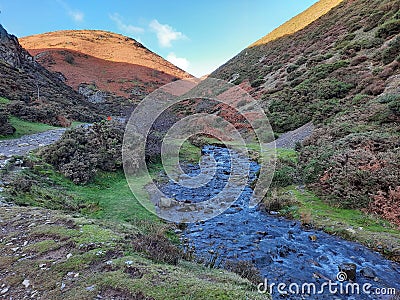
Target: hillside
{"type": "Point", "coordinates": [32, 93]}
{"type": "Point", "coordinates": [112, 62]}
{"type": "Point", "coordinates": [342, 73]}
{"type": "Point", "coordinates": [300, 21]}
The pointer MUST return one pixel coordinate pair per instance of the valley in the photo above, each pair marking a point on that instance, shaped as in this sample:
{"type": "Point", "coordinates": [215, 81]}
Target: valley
{"type": "Point", "coordinates": [286, 164]}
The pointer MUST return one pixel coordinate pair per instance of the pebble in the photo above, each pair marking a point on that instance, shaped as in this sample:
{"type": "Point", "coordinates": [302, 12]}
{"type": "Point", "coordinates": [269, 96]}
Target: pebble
{"type": "Point", "coordinates": [90, 288]}
{"type": "Point", "coordinates": [69, 255]}
{"type": "Point", "coordinates": [26, 283]}
{"type": "Point", "coordinates": [3, 291]}
{"type": "Point", "coordinates": [23, 145]}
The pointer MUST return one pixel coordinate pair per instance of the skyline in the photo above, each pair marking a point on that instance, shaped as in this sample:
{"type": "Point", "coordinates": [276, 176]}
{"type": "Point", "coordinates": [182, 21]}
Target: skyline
{"type": "Point", "coordinates": [169, 29]}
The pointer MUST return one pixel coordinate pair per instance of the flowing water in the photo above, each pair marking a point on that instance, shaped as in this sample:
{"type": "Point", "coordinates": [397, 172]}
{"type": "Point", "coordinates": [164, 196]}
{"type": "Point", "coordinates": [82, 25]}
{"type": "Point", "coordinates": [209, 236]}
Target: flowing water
{"type": "Point", "coordinates": [283, 250]}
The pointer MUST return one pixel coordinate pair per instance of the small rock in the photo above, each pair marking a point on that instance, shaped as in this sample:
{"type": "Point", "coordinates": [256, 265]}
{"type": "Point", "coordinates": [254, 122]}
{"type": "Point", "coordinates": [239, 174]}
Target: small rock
{"type": "Point", "coordinates": [129, 262]}
{"type": "Point", "coordinates": [23, 145]}
{"type": "Point", "coordinates": [3, 291]}
{"type": "Point", "coordinates": [15, 249]}
{"type": "Point", "coordinates": [165, 202]}
{"type": "Point", "coordinates": [312, 237]}
{"type": "Point", "coordinates": [90, 288]}
{"type": "Point", "coordinates": [69, 255]}
{"type": "Point", "coordinates": [62, 286]}
{"type": "Point", "coordinates": [367, 272]}
{"type": "Point", "coordinates": [351, 230]}
{"type": "Point", "coordinates": [26, 283]}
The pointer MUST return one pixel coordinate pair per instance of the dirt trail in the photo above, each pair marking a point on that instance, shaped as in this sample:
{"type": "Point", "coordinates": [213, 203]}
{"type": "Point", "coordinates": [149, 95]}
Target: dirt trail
{"type": "Point", "coordinates": [21, 146]}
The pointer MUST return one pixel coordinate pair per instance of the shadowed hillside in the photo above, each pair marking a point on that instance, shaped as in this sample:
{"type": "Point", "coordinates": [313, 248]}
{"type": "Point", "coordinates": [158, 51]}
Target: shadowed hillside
{"type": "Point", "coordinates": [342, 73]}
{"type": "Point", "coordinates": [33, 93]}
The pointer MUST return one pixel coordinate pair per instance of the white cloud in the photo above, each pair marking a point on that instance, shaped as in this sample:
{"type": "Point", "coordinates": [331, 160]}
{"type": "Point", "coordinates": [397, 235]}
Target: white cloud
{"type": "Point", "coordinates": [126, 28]}
{"type": "Point", "coordinates": [180, 62]}
{"type": "Point", "coordinates": [76, 15]}
{"type": "Point", "coordinates": [165, 33]}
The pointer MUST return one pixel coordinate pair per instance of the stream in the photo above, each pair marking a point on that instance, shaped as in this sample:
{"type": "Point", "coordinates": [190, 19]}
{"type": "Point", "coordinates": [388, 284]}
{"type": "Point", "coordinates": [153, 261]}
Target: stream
{"type": "Point", "coordinates": [282, 250]}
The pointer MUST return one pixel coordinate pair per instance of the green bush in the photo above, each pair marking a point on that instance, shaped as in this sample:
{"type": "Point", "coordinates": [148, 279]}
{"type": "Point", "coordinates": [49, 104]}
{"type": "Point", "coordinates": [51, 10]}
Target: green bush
{"type": "Point", "coordinates": [82, 152]}
{"type": "Point", "coordinates": [391, 52]}
{"type": "Point", "coordinates": [389, 28]}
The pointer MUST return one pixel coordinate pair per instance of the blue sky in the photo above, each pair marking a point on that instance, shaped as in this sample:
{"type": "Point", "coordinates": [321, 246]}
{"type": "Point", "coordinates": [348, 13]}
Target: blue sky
{"type": "Point", "coordinates": [198, 36]}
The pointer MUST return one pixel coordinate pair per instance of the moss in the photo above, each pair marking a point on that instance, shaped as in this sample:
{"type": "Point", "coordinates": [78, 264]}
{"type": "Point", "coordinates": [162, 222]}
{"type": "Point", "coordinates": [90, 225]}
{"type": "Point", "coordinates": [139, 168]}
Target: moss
{"type": "Point", "coordinates": [24, 127]}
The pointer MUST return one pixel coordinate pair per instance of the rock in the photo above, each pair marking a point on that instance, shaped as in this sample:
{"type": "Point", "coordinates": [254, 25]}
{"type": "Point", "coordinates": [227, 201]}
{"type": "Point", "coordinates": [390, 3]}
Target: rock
{"type": "Point", "coordinates": [3, 291]}
{"type": "Point", "coordinates": [368, 272]}
{"type": "Point", "coordinates": [264, 260]}
{"type": "Point", "coordinates": [69, 255]}
{"type": "Point", "coordinates": [62, 286]}
{"type": "Point", "coordinates": [312, 237]}
{"type": "Point", "coordinates": [90, 288]}
{"type": "Point", "coordinates": [165, 202]}
{"type": "Point", "coordinates": [23, 145]}
{"type": "Point", "coordinates": [349, 269]}
{"type": "Point", "coordinates": [26, 283]}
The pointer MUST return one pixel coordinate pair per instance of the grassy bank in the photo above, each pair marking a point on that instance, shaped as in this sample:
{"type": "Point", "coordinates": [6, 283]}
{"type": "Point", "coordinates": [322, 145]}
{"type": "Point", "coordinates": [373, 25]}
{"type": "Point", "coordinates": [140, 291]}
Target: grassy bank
{"type": "Point", "coordinates": [79, 258]}
{"type": "Point", "coordinates": [294, 200]}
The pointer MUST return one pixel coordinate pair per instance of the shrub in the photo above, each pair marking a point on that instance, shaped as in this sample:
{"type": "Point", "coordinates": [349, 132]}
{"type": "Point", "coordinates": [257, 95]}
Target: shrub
{"type": "Point", "coordinates": [387, 204]}
{"type": "Point", "coordinates": [5, 127]}
{"type": "Point", "coordinates": [275, 201]}
{"type": "Point", "coordinates": [389, 28]}
{"type": "Point", "coordinates": [245, 269]}
{"type": "Point", "coordinates": [158, 248]}
{"type": "Point", "coordinates": [82, 152]}
{"type": "Point", "coordinates": [391, 52]}
{"type": "Point", "coordinates": [69, 59]}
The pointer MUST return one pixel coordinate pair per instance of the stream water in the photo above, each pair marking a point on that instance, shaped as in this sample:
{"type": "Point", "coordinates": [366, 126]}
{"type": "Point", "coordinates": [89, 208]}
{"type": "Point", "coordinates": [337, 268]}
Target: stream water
{"type": "Point", "coordinates": [281, 249]}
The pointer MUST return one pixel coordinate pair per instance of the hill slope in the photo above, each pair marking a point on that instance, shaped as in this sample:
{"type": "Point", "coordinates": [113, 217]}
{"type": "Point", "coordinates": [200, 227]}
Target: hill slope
{"type": "Point", "coordinates": [112, 62]}
{"type": "Point", "coordinates": [342, 73]}
{"type": "Point", "coordinates": [300, 21]}
{"type": "Point", "coordinates": [35, 94]}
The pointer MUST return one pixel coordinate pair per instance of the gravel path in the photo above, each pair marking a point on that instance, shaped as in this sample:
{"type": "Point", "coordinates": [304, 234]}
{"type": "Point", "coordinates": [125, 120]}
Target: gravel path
{"type": "Point", "coordinates": [289, 139]}
{"type": "Point", "coordinates": [24, 144]}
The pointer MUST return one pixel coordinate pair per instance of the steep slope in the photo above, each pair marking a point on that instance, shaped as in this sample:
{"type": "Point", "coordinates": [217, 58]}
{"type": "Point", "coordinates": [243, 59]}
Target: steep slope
{"type": "Point", "coordinates": [35, 93]}
{"type": "Point", "coordinates": [342, 73]}
{"type": "Point", "coordinates": [112, 62]}
{"type": "Point", "coordinates": [300, 21]}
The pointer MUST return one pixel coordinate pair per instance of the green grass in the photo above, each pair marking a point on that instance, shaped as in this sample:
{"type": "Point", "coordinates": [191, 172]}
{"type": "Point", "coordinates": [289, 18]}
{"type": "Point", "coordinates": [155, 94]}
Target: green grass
{"type": "Point", "coordinates": [4, 101]}
{"type": "Point", "coordinates": [287, 155]}
{"type": "Point", "coordinates": [349, 223]}
{"type": "Point", "coordinates": [25, 127]}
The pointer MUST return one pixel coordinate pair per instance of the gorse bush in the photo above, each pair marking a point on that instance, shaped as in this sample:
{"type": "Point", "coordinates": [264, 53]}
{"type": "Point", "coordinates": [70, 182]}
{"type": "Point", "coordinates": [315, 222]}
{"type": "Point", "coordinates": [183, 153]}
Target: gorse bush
{"type": "Point", "coordinates": [82, 152]}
